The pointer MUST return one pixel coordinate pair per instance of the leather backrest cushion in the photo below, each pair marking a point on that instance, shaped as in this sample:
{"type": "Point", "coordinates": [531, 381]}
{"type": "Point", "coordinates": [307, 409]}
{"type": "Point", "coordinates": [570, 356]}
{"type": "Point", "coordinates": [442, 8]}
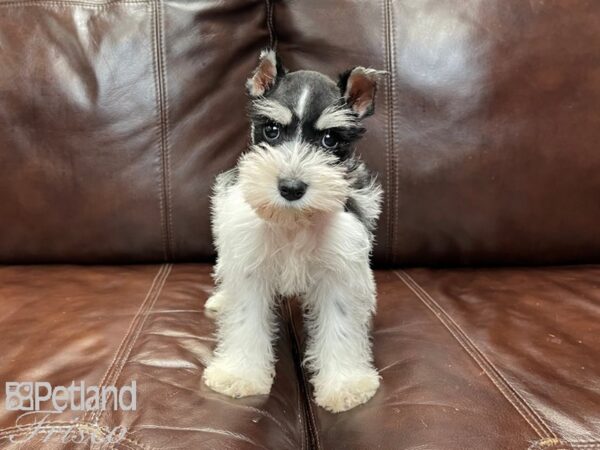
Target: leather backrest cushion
{"type": "Point", "coordinates": [116, 116]}
{"type": "Point", "coordinates": [114, 119]}
{"type": "Point", "coordinates": [486, 135]}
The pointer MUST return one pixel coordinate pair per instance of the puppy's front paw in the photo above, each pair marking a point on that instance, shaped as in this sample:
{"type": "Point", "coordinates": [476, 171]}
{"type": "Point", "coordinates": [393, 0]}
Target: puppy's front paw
{"type": "Point", "coordinates": [235, 385]}
{"type": "Point", "coordinates": [214, 305]}
{"type": "Point", "coordinates": [341, 394]}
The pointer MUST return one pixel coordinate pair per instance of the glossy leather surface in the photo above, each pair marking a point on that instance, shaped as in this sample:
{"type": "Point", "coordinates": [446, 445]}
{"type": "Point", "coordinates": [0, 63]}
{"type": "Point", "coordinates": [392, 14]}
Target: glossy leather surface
{"type": "Point", "coordinates": [480, 359]}
{"type": "Point", "coordinates": [485, 135]}
{"type": "Point", "coordinates": [119, 115]}
{"type": "Point", "coordinates": [116, 115]}
{"type": "Point", "coordinates": [499, 359]}
{"type": "Point", "coordinates": [114, 119]}
{"type": "Point", "coordinates": [112, 325]}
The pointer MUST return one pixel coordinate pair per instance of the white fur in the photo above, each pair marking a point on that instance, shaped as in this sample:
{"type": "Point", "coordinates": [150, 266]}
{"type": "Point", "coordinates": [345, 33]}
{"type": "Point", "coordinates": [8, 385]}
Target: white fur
{"type": "Point", "coordinates": [273, 110]}
{"type": "Point", "coordinates": [336, 117]}
{"type": "Point", "coordinates": [314, 249]}
{"type": "Point", "coordinates": [215, 304]}
{"type": "Point", "coordinates": [268, 53]}
{"type": "Point", "coordinates": [302, 101]}
{"type": "Point", "coordinates": [262, 167]}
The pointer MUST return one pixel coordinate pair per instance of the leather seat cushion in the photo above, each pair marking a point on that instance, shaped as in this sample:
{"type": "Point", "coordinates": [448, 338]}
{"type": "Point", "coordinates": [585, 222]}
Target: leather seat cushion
{"type": "Point", "coordinates": [111, 325]}
{"type": "Point", "coordinates": [469, 358]}
{"type": "Point", "coordinates": [480, 358]}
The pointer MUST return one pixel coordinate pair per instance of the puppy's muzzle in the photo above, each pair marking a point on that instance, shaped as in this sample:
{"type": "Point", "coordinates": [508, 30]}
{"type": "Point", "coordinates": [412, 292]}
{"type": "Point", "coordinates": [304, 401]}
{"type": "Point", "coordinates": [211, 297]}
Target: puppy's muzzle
{"type": "Point", "coordinates": [293, 182]}
{"type": "Point", "coordinates": [291, 189]}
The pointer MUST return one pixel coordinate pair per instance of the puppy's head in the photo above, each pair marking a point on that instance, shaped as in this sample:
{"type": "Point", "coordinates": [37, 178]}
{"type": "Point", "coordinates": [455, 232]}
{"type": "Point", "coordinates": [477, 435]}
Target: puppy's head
{"type": "Point", "coordinates": [304, 126]}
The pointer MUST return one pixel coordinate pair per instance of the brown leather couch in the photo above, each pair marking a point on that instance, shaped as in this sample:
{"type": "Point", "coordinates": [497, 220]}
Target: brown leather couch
{"type": "Point", "coordinates": [115, 116]}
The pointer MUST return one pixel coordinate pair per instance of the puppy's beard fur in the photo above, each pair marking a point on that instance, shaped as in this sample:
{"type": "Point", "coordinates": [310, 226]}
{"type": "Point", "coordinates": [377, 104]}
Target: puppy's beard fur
{"type": "Point", "coordinates": [263, 166]}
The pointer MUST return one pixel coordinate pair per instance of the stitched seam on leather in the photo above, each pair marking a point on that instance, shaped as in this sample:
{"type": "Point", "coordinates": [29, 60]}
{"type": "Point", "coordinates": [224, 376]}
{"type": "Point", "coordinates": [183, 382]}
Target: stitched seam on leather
{"type": "Point", "coordinates": [90, 428]}
{"type": "Point", "coordinates": [131, 334]}
{"type": "Point", "coordinates": [395, 154]}
{"type": "Point", "coordinates": [300, 403]}
{"type": "Point", "coordinates": [118, 368]}
{"type": "Point", "coordinates": [386, 112]}
{"type": "Point", "coordinates": [514, 398]}
{"type": "Point", "coordinates": [270, 24]}
{"type": "Point", "coordinates": [496, 371]}
{"type": "Point", "coordinates": [390, 161]}
{"type": "Point", "coordinates": [467, 342]}
{"type": "Point", "coordinates": [303, 399]}
{"type": "Point", "coordinates": [128, 332]}
{"type": "Point", "coordinates": [166, 127]}
{"type": "Point", "coordinates": [160, 126]}
{"type": "Point", "coordinates": [559, 444]}
{"type": "Point", "coordinates": [301, 413]}
{"type": "Point", "coordinates": [99, 5]}
{"type": "Point", "coordinates": [161, 192]}
{"type": "Point", "coordinates": [312, 423]}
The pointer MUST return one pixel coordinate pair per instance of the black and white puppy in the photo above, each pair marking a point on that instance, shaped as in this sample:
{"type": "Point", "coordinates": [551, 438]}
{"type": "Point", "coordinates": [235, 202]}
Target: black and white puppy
{"type": "Point", "coordinates": [296, 217]}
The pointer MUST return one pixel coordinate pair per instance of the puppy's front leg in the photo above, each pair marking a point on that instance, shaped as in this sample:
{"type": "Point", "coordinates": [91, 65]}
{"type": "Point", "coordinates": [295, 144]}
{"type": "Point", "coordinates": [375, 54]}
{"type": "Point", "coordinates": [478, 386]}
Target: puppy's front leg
{"type": "Point", "coordinates": [339, 310]}
{"type": "Point", "coordinates": [243, 362]}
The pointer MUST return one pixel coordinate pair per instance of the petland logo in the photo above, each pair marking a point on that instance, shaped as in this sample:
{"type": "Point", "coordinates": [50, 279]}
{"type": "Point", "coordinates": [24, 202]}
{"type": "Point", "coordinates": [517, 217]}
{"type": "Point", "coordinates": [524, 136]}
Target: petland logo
{"type": "Point", "coordinates": [30, 395]}
{"type": "Point", "coordinates": [39, 400]}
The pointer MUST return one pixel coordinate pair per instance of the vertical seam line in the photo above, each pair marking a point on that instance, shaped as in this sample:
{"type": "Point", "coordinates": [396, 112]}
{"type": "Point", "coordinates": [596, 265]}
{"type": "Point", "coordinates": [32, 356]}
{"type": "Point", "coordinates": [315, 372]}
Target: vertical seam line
{"type": "Point", "coordinates": [313, 434]}
{"type": "Point", "coordinates": [302, 414]}
{"type": "Point", "coordinates": [161, 191]}
{"type": "Point", "coordinates": [271, 25]}
{"type": "Point", "coordinates": [167, 128]}
{"type": "Point", "coordinates": [395, 155]}
{"type": "Point", "coordinates": [501, 383]}
{"type": "Point", "coordinates": [163, 129]}
{"type": "Point", "coordinates": [389, 138]}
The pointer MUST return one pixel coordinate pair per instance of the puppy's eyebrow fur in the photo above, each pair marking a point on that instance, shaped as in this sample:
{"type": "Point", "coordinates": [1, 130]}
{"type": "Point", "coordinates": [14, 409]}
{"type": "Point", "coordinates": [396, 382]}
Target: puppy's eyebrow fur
{"type": "Point", "coordinates": [336, 116]}
{"type": "Point", "coordinates": [272, 110]}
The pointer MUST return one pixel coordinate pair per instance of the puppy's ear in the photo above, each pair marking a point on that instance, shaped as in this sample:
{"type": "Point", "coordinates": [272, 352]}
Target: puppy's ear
{"type": "Point", "coordinates": [358, 87]}
{"type": "Point", "coordinates": [265, 75]}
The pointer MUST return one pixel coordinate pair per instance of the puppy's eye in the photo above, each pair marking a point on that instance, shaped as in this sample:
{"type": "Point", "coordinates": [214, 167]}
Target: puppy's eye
{"type": "Point", "coordinates": [271, 131]}
{"type": "Point", "coordinates": [329, 140]}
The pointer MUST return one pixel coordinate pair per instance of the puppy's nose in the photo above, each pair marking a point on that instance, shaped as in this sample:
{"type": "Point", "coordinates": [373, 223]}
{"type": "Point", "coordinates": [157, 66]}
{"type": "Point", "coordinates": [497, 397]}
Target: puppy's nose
{"type": "Point", "coordinates": [292, 189]}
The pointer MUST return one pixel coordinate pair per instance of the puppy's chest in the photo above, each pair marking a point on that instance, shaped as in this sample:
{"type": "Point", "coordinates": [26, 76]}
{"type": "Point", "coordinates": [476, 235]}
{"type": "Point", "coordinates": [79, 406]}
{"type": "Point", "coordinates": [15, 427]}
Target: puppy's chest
{"type": "Point", "coordinates": [292, 259]}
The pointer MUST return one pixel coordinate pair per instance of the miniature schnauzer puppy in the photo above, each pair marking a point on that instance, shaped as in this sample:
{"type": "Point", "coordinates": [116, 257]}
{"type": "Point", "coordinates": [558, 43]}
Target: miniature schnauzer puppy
{"type": "Point", "coordinates": [296, 217]}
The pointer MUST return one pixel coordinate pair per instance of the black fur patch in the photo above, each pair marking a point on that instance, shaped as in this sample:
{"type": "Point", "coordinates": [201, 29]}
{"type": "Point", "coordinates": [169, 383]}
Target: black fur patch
{"type": "Point", "coordinates": [361, 178]}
